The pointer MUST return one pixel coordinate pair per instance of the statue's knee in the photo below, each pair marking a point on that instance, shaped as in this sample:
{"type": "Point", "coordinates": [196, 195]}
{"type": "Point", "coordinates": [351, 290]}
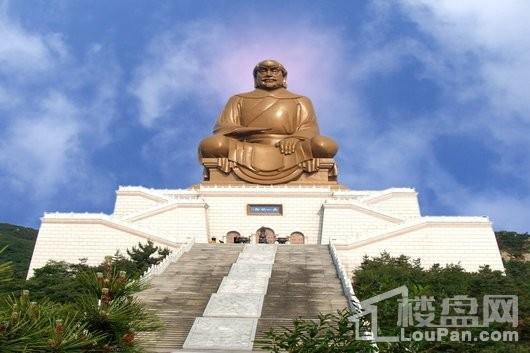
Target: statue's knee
{"type": "Point", "coordinates": [215, 146]}
{"type": "Point", "coordinates": [323, 147]}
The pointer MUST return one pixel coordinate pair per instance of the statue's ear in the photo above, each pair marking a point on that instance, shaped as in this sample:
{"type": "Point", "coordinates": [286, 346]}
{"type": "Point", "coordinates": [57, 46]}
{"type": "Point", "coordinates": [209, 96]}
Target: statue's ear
{"type": "Point", "coordinates": [284, 83]}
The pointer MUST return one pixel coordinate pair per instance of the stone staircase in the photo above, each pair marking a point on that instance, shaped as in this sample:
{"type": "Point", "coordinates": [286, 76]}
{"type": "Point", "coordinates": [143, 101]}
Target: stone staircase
{"type": "Point", "coordinates": [303, 283]}
{"type": "Point", "coordinates": [182, 292]}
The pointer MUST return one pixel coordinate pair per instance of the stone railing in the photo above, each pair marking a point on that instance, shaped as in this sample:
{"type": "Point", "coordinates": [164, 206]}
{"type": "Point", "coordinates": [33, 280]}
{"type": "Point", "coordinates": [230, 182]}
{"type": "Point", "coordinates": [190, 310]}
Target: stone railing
{"type": "Point", "coordinates": [353, 302]}
{"type": "Point", "coordinates": [162, 266]}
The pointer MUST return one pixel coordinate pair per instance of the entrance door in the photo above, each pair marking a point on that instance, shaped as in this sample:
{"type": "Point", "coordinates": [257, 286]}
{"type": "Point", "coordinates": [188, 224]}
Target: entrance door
{"type": "Point", "coordinates": [296, 238]}
{"type": "Point", "coordinates": [265, 235]}
{"type": "Point", "coordinates": [231, 236]}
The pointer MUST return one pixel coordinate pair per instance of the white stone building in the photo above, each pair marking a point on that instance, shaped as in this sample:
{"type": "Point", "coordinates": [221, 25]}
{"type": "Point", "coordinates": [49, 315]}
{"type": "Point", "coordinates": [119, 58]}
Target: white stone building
{"type": "Point", "coordinates": [358, 222]}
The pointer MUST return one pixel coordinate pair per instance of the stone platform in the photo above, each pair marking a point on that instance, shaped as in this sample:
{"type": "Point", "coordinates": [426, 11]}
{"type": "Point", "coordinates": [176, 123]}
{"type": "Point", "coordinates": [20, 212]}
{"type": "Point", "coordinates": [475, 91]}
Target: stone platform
{"type": "Point", "coordinates": [325, 174]}
{"type": "Point", "coordinates": [358, 222]}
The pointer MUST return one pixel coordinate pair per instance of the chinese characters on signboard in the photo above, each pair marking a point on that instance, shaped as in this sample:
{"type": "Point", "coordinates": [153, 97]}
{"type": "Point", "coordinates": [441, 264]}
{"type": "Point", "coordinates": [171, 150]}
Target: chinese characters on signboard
{"type": "Point", "coordinates": [265, 210]}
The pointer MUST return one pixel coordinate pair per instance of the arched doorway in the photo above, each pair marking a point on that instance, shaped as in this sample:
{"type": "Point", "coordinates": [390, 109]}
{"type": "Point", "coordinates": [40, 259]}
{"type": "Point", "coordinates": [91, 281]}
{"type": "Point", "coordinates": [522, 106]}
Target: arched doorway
{"type": "Point", "coordinates": [296, 238]}
{"type": "Point", "coordinates": [231, 236]}
{"type": "Point", "coordinates": [265, 235]}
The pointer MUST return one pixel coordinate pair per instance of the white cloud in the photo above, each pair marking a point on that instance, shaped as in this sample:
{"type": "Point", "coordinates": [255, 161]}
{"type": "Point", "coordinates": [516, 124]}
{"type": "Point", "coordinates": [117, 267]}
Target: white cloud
{"type": "Point", "coordinates": [481, 51]}
{"type": "Point", "coordinates": [28, 53]}
{"type": "Point", "coordinates": [37, 150]}
{"type": "Point", "coordinates": [507, 212]}
{"type": "Point", "coordinates": [206, 62]}
{"type": "Point", "coordinates": [494, 34]}
{"type": "Point", "coordinates": [55, 110]}
{"type": "Point", "coordinates": [176, 156]}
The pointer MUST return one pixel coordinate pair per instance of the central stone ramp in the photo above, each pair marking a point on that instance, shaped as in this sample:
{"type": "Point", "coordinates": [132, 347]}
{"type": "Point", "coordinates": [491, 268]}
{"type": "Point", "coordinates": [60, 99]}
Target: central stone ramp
{"type": "Point", "coordinates": [181, 293]}
{"type": "Point", "coordinates": [303, 283]}
{"type": "Point", "coordinates": [231, 317]}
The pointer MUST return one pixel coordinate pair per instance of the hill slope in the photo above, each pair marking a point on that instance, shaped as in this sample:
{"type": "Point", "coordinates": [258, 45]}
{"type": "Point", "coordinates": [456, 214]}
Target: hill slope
{"type": "Point", "coordinates": [514, 246]}
{"type": "Point", "coordinates": [20, 241]}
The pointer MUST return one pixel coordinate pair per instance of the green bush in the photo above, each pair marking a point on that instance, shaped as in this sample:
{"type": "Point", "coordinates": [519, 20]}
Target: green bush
{"type": "Point", "coordinates": [90, 312]}
{"type": "Point", "coordinates": [146, 255]}
{"type": "Point", "coordinates": [383, 273]}
{"type": "Point", "coordinates": [331, 333]}
{"type": "Point", "coordinates": [58, 281]}
{"type": "Point", "coordinates": [515, 244]}
{"type": "Point", "coordinates": [27, 326]}
{"type": "Point", "coordinates": [110, 308]}
{"type": "Point", "coordinates": [20, 242]}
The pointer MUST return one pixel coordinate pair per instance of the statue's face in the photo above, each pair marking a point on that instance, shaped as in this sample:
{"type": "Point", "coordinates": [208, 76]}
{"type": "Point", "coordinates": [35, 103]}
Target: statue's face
{"type": "Point", "coordinates": [269, 76]}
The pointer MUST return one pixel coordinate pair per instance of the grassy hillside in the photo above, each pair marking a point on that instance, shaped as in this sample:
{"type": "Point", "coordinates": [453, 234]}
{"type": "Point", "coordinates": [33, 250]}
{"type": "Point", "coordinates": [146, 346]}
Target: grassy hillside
{"type": "Point", "coordinates": [514, 246]}
{"type": "Point", "coordinates": [20, 241]}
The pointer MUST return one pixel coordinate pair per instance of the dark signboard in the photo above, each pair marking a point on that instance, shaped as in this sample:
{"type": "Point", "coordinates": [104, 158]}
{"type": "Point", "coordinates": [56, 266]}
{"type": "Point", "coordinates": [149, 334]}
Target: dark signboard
{"type": "Point", "coordinates": [265, 210]}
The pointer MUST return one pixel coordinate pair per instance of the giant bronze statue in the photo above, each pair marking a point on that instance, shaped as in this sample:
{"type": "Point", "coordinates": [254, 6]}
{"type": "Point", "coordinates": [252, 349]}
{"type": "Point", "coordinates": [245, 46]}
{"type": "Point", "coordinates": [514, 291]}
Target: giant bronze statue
{"type": "Point", "coordinates": [268, 136]}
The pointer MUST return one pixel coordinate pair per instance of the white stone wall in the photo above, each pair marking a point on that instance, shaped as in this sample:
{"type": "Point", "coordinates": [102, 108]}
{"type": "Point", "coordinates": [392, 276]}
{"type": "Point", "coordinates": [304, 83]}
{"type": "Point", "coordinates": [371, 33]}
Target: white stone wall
{"type": "Point", "coordinates": [130, 202]}
{"type": "Point", "coordinates": [469, 242]}
{"type": "Point", "coordinates": [300, 214]}
{"type": "Point", "coordinates": [401, 203]}
{"type": "Point", "coordinates": [178, 222]}
{"type": "Point", "coordinates": [365, 222]}
{"type": "Point", "coordinates": [347, 222]}
{"type": "Point", "coordinates": [69, 238]}
{"type": "Point", "coordinates": [350, 215]}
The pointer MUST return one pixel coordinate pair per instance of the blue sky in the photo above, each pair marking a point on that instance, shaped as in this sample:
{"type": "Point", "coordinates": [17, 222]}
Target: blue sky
{"type": "Point", "coordinates": [430, 94]}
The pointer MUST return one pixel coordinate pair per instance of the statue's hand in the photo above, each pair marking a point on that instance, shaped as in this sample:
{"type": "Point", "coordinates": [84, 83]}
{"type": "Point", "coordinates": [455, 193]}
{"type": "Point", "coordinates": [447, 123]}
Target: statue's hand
{"type": "Point", "coordinates": [287, 145]}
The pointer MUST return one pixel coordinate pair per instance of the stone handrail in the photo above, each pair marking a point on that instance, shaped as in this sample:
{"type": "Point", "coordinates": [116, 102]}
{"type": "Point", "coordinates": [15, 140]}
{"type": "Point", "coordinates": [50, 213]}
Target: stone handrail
{"type": "Point", "coordinates": [162, 266]}
{"type": "Point", "coordinates": [353, 302]}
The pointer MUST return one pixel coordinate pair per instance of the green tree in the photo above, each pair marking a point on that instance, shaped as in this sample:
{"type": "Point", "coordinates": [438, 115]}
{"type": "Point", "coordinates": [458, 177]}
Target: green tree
{"type": "Point", "coordinates": [147, 255]}
{"type": "Point", "coordinates": [516, 245]}
{"type": "Point", "coordinates": [331, 333]}
{"type": "Point", "coordinates": [6, 270]}
{"type": "Point", "coordinates": [20, 242]}
{"type": "Point", "coordinates": [56, 281]}
{"type": "Point", "coordinates": [383, 273]}
{"type": "Point", "coordinates": [103, 317]}
{"type": "Point", "coordinates": [110, 308]}
{"type": "Point", "coordinates": [123, 263]}
{"type": "Point", "coordinates": [27, 326]}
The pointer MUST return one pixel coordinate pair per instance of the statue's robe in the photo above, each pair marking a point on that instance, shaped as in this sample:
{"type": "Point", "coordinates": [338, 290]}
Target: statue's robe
{"type": "Point", "coordinates": [283, 114]}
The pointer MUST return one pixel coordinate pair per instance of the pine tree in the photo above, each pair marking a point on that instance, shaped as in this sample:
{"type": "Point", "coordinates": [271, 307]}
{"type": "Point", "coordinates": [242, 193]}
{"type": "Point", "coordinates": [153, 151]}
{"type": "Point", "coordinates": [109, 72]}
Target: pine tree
{"type": "Point", "coordinates": [147, 255]}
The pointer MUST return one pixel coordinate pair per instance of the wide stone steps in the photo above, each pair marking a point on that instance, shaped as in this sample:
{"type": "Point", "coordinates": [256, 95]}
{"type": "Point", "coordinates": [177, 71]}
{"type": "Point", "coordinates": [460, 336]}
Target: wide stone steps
{"type": "Point", "coordinates": [182, 292]}
{"type": "Point", "coordinates": [175, 333]}
{"type": "Point", "coordinates": [303, 283]}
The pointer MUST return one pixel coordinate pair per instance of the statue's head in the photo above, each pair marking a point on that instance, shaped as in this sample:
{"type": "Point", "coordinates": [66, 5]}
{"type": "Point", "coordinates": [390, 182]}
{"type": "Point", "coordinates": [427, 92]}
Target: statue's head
{"type": "Point", "coordinates": [270, 74]}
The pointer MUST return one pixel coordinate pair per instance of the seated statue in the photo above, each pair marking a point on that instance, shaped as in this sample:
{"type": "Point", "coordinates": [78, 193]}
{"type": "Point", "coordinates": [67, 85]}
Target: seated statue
{"type": "Point", "coordinates": [269, 135]}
